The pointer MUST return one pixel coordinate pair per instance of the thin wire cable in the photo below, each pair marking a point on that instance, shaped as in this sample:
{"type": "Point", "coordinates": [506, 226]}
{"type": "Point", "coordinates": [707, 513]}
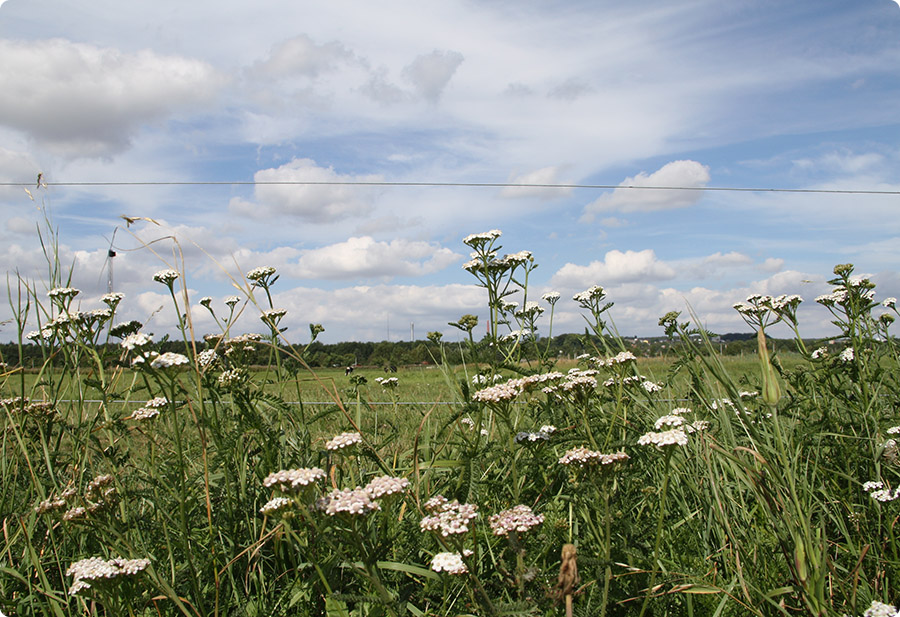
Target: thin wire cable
{"type": "Point", "coordinates": [743, 189]}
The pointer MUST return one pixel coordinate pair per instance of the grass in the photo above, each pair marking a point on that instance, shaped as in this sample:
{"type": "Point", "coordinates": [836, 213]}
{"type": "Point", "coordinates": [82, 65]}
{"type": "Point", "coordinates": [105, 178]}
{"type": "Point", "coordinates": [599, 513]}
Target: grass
{"type": "Point", "coordinates": [198, 485]}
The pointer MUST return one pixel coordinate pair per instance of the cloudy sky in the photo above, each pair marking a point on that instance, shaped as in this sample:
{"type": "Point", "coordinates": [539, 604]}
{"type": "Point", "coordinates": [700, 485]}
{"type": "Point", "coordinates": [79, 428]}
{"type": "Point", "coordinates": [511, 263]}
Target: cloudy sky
{"type": "Point", "coordinates": [187, 112]}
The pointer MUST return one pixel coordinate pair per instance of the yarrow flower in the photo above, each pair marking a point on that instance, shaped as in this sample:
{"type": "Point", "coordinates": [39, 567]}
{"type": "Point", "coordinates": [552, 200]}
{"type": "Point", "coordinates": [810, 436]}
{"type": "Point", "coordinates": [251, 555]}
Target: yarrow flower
{"type": "Point", "coordinates": [150, 409]}
{"type": "Point", "coordinates": [112, 299]}
{"type": "Point", "coordinates": [592, 294]}
{"type": "Point", "coordinates": [448, 517]}
{"type": "Point", "coordinates": [349, 501]}
{"type": "Point", "coordinates": [581, 457]}
{"type": "Point", "coordinates": [344, 440]}
{"type": "Point", "coordinates": [880, 609]}
{"type": "Point", "coordinates": [384, 486]}
{"type": "Point", "coordinates": [477, 241]}
{"type": "Point", "coordinates": [134, 341]}
{"type": "Point", "coordinates": [232, 300]}
{"type": "Point", "coordinates": [519, 519]}
{"type": "Point", "coordinates": [276, 505]}
{"type": "Point", "coordinates": [847, 355]}
{"type": "Point", "coordinates": [294, 480]}
{"type": "Point", "coordinates": [889, 303]}
{"type": "Point", "coordinates": [63, 292]}
{"type": "Point", "coordinates": [451, 563]}
{"type": "Point", "coordinates": [551, 297]}
{"type": "Point", "coordinates": [878, 492]}
{"type": "Point", "coordinates": [672, 437]}
{"type": "Point", "coordinates": [261, 275]}
{"type": "Point", "coordinates": [97, 570]}
{"type": "Point", "coordinates": [169, 360]}
{"type": "Point", "coordinates": [166, 277]}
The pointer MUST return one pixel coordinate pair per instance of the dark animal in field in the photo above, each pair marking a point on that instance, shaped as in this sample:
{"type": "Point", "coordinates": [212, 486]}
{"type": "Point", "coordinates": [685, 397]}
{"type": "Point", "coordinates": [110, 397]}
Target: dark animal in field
{"type": "Point", "coordinates": [348, 370]}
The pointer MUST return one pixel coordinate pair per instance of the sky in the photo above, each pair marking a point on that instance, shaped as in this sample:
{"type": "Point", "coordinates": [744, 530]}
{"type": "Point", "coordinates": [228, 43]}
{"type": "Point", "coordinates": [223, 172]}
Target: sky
{"type": "Point", "coordinates": [177, 113]}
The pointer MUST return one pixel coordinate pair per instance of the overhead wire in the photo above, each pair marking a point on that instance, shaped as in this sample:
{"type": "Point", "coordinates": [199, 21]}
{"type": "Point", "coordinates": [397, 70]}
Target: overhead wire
{"type": "Point", "coordinates": [499, 185]}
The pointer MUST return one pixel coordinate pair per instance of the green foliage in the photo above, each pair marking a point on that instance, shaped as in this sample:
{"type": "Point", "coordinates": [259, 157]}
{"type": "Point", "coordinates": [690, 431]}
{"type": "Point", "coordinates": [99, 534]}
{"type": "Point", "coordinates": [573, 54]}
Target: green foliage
{"type": "Point", "coordinates": [222, 462]}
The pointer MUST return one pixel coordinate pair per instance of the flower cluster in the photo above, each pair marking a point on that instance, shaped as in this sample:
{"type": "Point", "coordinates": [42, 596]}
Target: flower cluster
{"type": "Point", "coordinates": [519, 519]}
{"type": "Point", "coordinates": [261, 274]}
{"type": "Point", "coordinates": [480, 240]}
{"type": "Point", "coordinates": [880, 609]}
{"type": "Point", "coordinates": [448, 517]}
{"type": "Point", "coordinates": [385, 486]}
{"type": "Point", "coordinates": [97, 570]}
{"type": "Point", "coordinates": [581, 457]}
{"type": "Point", "coordinates": [293, 480]}
{"type": "Point", "coordinates": [169, 359]}
{"type": "Point", "coordinates": [150, 409]}
{"type": "Point", "coordinates": [451, 563]}
{"type": "Point", "coordinates": [672, 437]}
{"type": "Point", "coordinates": [349, 500]}
{"type": "Point", "coordinates": [166, 277]}
{"type": "Point", "coordinates": [276, 505]}
{"type": "Point", "coordinates": [877, 491]}
{"type": "Point", "coordinates": [344, 440]}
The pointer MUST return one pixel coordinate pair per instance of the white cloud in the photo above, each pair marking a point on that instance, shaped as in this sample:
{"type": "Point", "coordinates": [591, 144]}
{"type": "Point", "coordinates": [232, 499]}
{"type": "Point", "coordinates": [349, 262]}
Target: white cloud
{"type": "Point", "coordinates": [301, 56]}
{"type": "Point", "coordinates": [689, 174]}
{"type": "Point", "coordinates": [430, 73]}
{"type": "Point", "coordinates": [616, 267]}
{"type": "Point", "coordinates": [82, 100]}
{"type": "Point", "coordinates": [545, 175]}
{"type": "Point", "coordinates": [364, 257]}
{"type": "Point", "coordinates": [314, 203]}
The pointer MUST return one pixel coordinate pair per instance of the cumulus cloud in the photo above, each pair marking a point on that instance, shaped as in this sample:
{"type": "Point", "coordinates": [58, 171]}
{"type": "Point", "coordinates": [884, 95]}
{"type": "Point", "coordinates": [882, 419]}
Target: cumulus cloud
{"type": "Point", "coordinates": [365, 257]}
{"type": "Point", "coordinates": [430, 73]}
{"type": "Point", "coordinates": [301, 56]}
{"type": "Point", "coordinates": [689, 174]}
{"type": "Point", "coordinates": [315, 203]}
{"type": "Point", "coordinates": [616, 267]}
{"type": "Point", "coordinates": [82, 100]}
{"type": "Point", "coordinates": [545, 175]}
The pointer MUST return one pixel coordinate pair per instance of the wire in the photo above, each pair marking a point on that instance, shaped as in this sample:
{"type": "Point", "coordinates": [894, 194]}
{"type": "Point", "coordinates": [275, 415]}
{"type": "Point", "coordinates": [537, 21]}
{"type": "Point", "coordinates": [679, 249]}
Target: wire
{"type": "Point", "coordinates": [460, 184]}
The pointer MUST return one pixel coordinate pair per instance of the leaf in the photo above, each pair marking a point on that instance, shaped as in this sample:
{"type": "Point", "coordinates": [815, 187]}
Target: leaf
{"type": "Point", "coordinates": [409, 569]}
{"type": "Point", "coordinates": [335, 608]}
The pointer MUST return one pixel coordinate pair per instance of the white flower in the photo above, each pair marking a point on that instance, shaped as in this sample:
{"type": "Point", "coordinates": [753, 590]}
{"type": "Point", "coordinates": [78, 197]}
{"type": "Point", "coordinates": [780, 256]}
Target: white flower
{"type": "Point", "coordinates": [879, 609]}
{"type": "Point", "coordinates": [258, 274]}
{"type": "Point", "coordinates": [819, 353]}
{"type": "Point", "coordinates": [551, 297]}
{"type": "Point", "coordinates": [134, 341]}
{"type": "Point", "coordinates": [63, 292]}
{"type": "Point", "coordinates": [478, 240]}
{"type": "Point", "coordinates": [448, 517]}
{"type": "Point", "coordinates": [671, 421]}
{"type": "Point", "coordinates": [672, 437]}
{"type": "Point", "coordinates": [293, 480]}
{"type": "Point", "coordinates": [350, 501]}
{"type": "Point", "coordinates": [169, 360]}
{"type": "Point", "coordinates": [344, 440]}
{"type": "Point", "coordinates": [451, 563]}
{"type": "Point", "coordinates": [276, 505]}
{"type": "Point", "coordinates": [167, 277]}
{"type": "Point", "coordinates": [384, 486]}
{"type": "Point", "coordinates": [889, 302]}
{"type": "Point", "coordinates": [232, 300]}
{"type": "Point", "coordinates": [112, 299]}
{"type": "Point", "coordinates": [519, 519]}
{"type": "Point", "coordinates": [872, 485]}
{"type": "Point", "coordinates": [847, 355]}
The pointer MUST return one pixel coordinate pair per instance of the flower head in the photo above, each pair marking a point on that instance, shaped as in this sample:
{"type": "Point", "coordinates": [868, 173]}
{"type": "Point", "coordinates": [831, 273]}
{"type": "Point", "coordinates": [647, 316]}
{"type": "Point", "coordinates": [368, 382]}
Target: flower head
{"type": "Point", "coordinates": [342, 441]}
{"type": "Point", "coordinates": [451, 563]}
{"type": "Point", "coordinates": [166, 277]}
{"type": "Point", "coordinates": [672, 437]}
{"type": "Point", "coordinates": [349, 501]}
{"type": "Point", "coordinates": [293, 480]}
{"type": "Point", "coordinates": [169, 360]}
{"type": "Point", "coordinates": [519, 519]}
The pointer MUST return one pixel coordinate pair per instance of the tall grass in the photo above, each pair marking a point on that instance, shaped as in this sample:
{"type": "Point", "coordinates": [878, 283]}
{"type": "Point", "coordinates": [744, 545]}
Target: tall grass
{"type": "Point", "coordinates": [139, 483]}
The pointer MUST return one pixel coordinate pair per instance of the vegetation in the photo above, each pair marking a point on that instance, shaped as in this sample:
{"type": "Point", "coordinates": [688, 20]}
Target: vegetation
{"type": "Point", "coordinates": [225, 477]}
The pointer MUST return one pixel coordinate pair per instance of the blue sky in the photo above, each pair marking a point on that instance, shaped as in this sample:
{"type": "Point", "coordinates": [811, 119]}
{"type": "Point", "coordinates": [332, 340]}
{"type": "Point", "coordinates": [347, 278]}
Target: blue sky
{"type": "Point", "coordinates": [699, 93]}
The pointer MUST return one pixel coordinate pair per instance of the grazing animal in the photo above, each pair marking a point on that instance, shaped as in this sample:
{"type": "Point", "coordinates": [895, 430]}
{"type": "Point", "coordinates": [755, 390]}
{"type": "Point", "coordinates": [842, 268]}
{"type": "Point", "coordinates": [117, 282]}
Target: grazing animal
{"type": "Point", "coordinates": [348, 370]}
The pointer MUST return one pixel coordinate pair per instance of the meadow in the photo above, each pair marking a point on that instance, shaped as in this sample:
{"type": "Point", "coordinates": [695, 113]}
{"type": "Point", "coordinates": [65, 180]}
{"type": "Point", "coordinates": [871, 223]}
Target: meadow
{"type": "Point", "coordinates": [140, 482]}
